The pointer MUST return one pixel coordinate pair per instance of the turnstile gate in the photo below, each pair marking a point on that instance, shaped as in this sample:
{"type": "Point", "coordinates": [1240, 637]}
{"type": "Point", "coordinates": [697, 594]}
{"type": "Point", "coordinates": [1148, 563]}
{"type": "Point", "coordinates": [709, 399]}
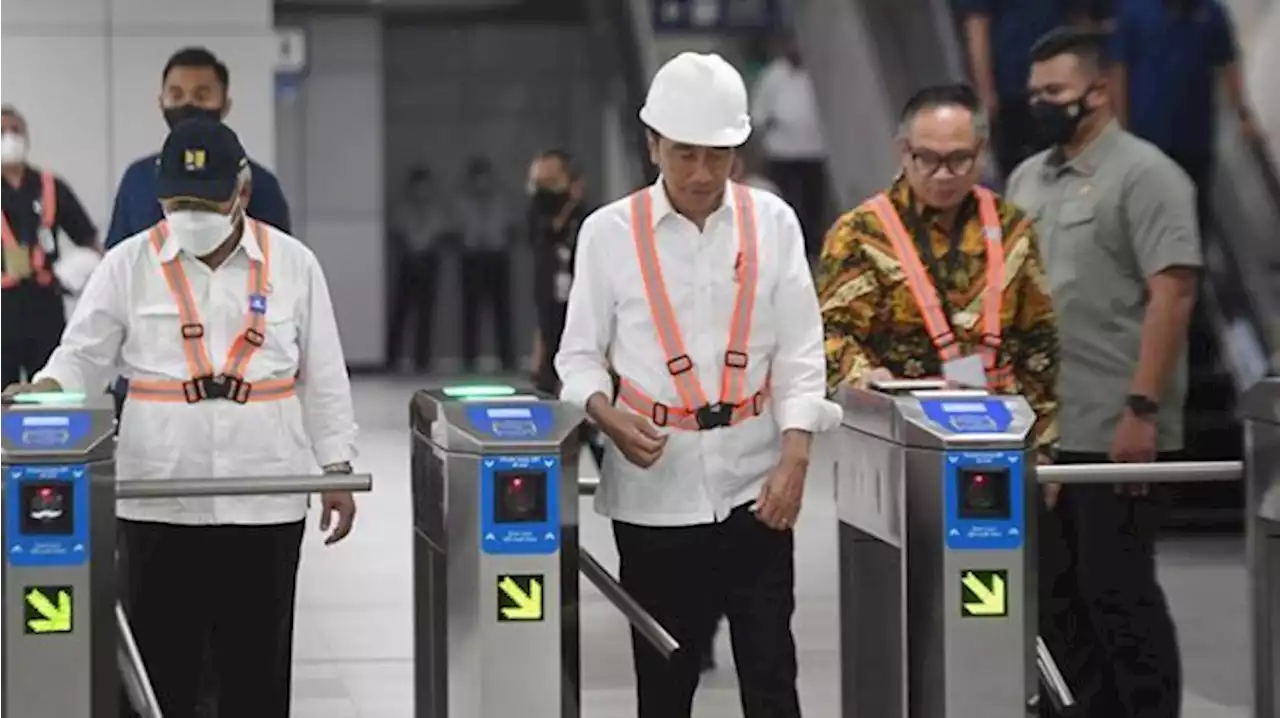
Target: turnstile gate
{"type": "Point", "coordinates": [494, 552]}
{"type": "Point", "coordinates": [937, 550]}
{"type": "Point", "coordinates": [59, 543]}
{"type": "Point", "coordinates": [1261, 409]}
{"type": "Point", "coordinates": [67, 647]}
{"type": "Point", "coordinates": [496, 556]}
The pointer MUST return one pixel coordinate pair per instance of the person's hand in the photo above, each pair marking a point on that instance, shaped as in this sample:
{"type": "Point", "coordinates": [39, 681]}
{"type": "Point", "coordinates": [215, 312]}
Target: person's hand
{"type": "Point", "coordinates": [875, 375]}
{"type": "Point", "coordinates": [44, 385]}
{"type": "Point", "coordinates": [1049, 490]}
{"type": "Point", "coordinates": [337, 512]}
{"type": "Point", "coordinates": [1134, 442]}
{"type": "Point", "coordinates": [779, 502]}
{"type": "Point", "coordinates": [634, 435]}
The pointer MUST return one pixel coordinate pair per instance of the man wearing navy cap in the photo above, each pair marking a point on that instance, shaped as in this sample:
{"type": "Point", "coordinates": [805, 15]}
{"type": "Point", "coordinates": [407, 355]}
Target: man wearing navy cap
{"type": "Point", "coordinates": [224, 328]}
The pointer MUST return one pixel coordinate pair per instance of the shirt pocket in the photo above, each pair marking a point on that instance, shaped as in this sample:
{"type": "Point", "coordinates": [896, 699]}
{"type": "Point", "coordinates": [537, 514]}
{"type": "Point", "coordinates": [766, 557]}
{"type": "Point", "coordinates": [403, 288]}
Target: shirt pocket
{"type": "Point", "coordinates": [155, 339]}
{"type": "Point", "coordinates": [1071, 242]}
{"type": "Point", "coordinates": [280, 335]}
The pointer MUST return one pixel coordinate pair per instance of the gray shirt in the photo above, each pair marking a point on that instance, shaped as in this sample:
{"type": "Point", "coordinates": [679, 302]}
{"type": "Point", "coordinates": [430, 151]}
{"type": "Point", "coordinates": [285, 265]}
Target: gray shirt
{"type": "Point", "coordinates": [1108, 220]}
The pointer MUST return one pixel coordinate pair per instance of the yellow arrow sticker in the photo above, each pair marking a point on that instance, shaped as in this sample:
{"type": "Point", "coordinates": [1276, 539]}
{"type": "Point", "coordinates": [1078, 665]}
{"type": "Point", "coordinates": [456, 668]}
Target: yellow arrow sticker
{"type": "Point", "coordinates": [984, 594]}
{"type": "Point", "coordinates": [47, 609]}
{"type": "Point", "coordinates": [520, 597]}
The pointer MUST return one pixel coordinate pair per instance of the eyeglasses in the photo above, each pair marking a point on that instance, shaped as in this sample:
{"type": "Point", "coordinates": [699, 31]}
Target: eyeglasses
{"type": "Point", "coordinates": [957, 163]}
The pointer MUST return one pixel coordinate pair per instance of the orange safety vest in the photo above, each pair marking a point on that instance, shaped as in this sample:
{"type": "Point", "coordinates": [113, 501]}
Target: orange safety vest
{"type": "Point", "coordinates": [48, 215]}
{"type": "Point", "coordinates": [204, 384]}
{"type": "Point", "coordinates": [926, 294]}
{"type": "Point", "coordinates": [698, 414]}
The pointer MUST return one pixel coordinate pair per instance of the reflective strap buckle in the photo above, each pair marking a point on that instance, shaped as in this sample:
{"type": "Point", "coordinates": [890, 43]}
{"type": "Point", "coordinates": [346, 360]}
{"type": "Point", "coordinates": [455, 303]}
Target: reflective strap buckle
{"type": "Point", "coordinates": [193, 331]}
{"type": "Point", "coordinates": [660, 414]}
{"type": "Point", "coordinates": [253, 337]}
{"type": "Point", "coordinates": [216, 386]}
{"type": "Point", "coordinates": [680, 365]}
{"type": "Point", "coordinates": [714, 416]}
{"type": "Point", "coordinates": [757, 403]}
{"type": "Point", "coordinates": [735, 360]}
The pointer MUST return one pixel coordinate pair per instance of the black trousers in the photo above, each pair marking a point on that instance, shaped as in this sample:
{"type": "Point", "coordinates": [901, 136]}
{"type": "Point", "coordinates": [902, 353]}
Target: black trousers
{"type": "Point", "coordinates": [1199, 167]}
{"type": "Point", "coordinates": [803, 184]}
{"type": "Point", "coordinates": [28, 342]}
{"type": "Point", "coordinates": [486, 279]}
{"type": "Point", "coordinates": [230, 588]}
{"type": "Point", "coordinates": [689, 576]}
{"type": "Point", "coordinates": [1102, 611]}
{"type": "Point", "coordinates": [413, 307]}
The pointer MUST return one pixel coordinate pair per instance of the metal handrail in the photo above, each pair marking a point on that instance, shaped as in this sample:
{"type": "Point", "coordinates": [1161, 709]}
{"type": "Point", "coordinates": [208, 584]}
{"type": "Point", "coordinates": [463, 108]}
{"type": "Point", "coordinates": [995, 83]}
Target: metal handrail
{"type": "Point", "coordinates": [587, 485]}
{"type": "Point", "coordinates": [1170, 472]}
{"type": "Point", "coordinates": [1059, 692]}
{"type": "Point", "coordinates": [644, 623]}
{"type": "Point", "coordinates": [133, 672]}
{"type": "Point", "coordinates": [240, 486]}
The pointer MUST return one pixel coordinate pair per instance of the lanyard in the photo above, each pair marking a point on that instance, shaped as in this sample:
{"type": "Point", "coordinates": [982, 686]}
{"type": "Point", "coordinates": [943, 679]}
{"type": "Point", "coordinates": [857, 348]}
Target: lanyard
{"type": "Point", "coordinates": [940, 272]}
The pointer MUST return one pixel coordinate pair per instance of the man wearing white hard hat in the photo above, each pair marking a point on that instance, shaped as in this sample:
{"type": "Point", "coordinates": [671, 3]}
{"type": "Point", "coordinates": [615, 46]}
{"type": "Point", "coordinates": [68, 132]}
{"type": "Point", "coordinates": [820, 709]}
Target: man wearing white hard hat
{"type": "Point", "coordinates": [696, 291]}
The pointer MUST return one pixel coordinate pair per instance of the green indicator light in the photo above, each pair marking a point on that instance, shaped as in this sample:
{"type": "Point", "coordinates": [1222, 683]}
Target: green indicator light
{"type": "Point", "coordinates": [471, 391]}
{"type": "Point", "coordinates": [50, 398]}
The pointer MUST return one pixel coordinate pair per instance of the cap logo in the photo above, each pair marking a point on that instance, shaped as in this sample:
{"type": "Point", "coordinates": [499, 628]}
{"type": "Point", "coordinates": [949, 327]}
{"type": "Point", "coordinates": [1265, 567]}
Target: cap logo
{"type": "Point", "coordinates": [193, 159]}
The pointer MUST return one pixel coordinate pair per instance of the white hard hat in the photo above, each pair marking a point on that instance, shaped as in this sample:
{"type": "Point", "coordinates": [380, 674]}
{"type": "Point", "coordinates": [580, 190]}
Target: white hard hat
{"type": "Point", "coordinates": [698, 100]}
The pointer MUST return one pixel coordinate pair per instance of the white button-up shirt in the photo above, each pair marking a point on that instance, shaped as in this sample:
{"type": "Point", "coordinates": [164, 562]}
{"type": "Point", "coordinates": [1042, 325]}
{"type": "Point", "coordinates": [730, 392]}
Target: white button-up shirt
{"type": "Point", "coordinates": [701, 475]}
{"type": "Point", "coordinates": [127, 323]}
{"type": "Point", "coordinates": [785, 104]}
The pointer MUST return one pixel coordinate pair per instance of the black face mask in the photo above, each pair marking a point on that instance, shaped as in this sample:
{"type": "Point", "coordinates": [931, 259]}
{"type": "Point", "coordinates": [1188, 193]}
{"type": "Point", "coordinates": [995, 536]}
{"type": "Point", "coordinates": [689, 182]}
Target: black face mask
{"type": "Point", "coordinates": [1057, 123]}
{"type": "Point", "coordinates": [547, 201]}
{"type": "Point", "coordinates": [174, 115]}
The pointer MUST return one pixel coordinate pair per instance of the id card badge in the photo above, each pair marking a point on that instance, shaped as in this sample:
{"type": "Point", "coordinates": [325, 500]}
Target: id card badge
{"type": "Point", "coordinates": [966, 371]}
{"type": "Point", "coordinates": [48, 242]}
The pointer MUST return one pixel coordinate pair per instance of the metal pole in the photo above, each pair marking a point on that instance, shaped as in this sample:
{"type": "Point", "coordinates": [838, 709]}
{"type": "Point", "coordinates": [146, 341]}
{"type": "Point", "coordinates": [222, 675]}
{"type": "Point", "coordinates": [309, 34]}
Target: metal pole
{"type": "Point", "coordinates": [134, 671]}
{"type": "Point", "coordinates": [240, 486]}
{"type": "Point", "coordinates": [1153, 473]}
{"type": "Point", "coordinates": [1059, 692]}
{"type": "Point", "coordinates": [646, 624]}
{"type": "Point", "coordinates": [587, 485]}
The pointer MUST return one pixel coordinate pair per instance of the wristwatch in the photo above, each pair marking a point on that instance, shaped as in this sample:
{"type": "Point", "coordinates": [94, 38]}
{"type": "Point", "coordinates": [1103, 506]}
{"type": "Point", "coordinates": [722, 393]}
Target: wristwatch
{"type": "Point", "coordinates": [1143, 407]}
{"type": "Point", "coordinates": [342, 467]}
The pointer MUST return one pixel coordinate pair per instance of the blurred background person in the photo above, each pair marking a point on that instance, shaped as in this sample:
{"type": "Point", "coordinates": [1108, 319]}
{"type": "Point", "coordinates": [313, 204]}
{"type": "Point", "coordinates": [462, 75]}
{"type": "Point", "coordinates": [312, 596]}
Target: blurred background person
{"type": "Point", "coordinates": [746, 170]}
{"type": "Point", "coordinates": [44, 225]}
{"type": "Point", "coordinates": [488, 225]}
{"type": "Point", "coordinates": [556, 210]}
{"type": "Point", "coordinates": [785, 109]}
{"type": "Point", "coordinates": [421, 225]}
{"type": "Point", "coordinates": [1169, 57]}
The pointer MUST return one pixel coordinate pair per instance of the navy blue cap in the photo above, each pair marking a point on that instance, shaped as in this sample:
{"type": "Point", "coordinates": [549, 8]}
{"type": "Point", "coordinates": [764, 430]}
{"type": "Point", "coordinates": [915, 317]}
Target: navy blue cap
{"type": "Point", "coordinates": [202, 159]}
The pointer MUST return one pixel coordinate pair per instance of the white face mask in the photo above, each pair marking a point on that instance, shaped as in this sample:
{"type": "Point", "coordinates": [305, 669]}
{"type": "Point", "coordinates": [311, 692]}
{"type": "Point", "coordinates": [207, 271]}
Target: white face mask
{"type": "Point", "coordinates": [13, 149]}
{"type": "Point", "coordinates": [198, 232]}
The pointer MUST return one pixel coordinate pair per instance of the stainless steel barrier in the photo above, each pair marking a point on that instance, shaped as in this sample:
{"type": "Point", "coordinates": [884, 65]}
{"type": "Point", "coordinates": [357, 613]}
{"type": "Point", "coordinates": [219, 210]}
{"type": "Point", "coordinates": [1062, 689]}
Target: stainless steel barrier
{"type": "Point", "coordinates": [241, 486]}
{"type": "Point", "coordinates": [1169, 472]}
{"type": "Point", "coordinates": [496, 556]}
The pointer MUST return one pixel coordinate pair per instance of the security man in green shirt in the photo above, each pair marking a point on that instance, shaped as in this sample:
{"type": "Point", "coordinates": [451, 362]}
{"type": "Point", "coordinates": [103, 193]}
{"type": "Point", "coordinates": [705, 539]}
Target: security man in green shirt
{"type": "Point", "coordinates": [1121, 246]}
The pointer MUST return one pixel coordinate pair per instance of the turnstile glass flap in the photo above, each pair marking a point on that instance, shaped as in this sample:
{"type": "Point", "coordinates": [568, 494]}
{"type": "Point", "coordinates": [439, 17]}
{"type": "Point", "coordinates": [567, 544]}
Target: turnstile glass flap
{"type": "Point", "coordinates": [40, 427]}
{"type": "Point", "coordinates": [514, 422]}
{"type": "Point", "coordinates": [926, 414]}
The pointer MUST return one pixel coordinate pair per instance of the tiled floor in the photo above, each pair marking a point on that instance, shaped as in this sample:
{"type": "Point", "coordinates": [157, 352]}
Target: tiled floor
{"type": "Point", "coordinates": [354, 654]}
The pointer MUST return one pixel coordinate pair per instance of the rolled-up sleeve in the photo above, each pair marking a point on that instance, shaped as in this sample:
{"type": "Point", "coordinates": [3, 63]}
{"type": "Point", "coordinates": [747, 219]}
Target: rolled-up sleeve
{"type": "Point", "coordinates": [799, 364]}
{"type": "Point", "coordinates": [1161, 214]}
{"type": "Point", "coordinates": [582, 361]}
{"type": "Point", "coordinates": [89, 351]}
{"type": "Point", "coordinates": [324, 387]}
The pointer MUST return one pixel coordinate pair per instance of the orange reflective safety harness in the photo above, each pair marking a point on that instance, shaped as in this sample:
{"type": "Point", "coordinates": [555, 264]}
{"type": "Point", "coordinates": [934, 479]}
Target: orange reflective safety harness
{"type": "Point", "coordinates": [734, 406]}
{"type": "Point", "coordinates": [40, 269]}
{"type": "Point", "coordinates": [926, 294]}
{"type": "Point", "coordinates": [204, 383]}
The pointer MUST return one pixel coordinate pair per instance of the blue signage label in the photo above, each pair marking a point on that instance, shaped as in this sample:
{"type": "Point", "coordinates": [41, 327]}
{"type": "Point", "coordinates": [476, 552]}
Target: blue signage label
{"type": "Point", "coordinates": [964, 415]}
{"type": "Point", "coordinates": [44, 430]}
{"type": "Point", "coordinates": [513, 422]}
{"type": "Point", "coordinates": [984, 500]}
{"type": "Point", "coordinates": [520, 504]}
{"type": "Point", "coordinates": [46, 519]}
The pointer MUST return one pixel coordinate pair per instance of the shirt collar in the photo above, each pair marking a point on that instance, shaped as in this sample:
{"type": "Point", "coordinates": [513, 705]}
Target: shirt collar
{"type": "Point", "coordinates": [1090, 159]}
{"type": "Point", "coordinates": [248, 242]}
{"type": "Point", "coordinates": [662, 206]}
